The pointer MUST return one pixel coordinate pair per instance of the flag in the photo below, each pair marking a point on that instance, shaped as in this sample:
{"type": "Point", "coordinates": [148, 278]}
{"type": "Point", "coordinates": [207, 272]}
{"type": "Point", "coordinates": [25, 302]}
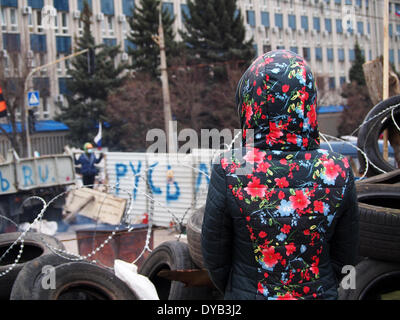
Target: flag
{"type": "Point", "coordinates": [3, 106]}
{"type": "Point", "coordinates": [97, 138]}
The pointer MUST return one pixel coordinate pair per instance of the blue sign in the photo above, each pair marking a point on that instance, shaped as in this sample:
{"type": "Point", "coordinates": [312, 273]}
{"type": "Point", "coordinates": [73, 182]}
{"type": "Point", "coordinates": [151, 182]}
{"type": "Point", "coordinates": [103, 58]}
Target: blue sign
{"type": "Point", "coordinates": [33, 99]}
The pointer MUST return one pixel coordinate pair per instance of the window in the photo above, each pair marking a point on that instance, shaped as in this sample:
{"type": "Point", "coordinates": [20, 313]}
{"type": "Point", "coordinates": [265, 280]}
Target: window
{"type": "Point", "coordinates": [304, 22]}
{"type": "Point", "coordinates": [63, 44]}
{"type": "Point", "coordinates": [360, 27]}
{"type": "Point", "coordinates": [63, 86]}
{"type": "Point", "coordinates": [391, 56]}
{"type": "Point", "coordinates": [38, 43]}
{"type": "Point", "coordinates": [329, 54]}
{"type": "Point", "coordinates": [294, 49]}
{"type": "Point", "coordinates": [342, 80]}
{"type": "Point", "coordinates": [250, 18]}
{"type": "Point", "coordinates": [128, 6]}
{"type": "Point", "coordinates": [13, 19]}
{"type": "Point", "coordinates": [279, 20]}
{"type": "Point", "coordinates": [292, 21]}
{"type": "Point", "coordinates": [36, 4]}
{"type": "Point", "coordinates": [110, 25]}
{"type": "Point", "coordinates": [318, 53]}
{"type": "Point", "coordinates": [390, 30]}
{"type": "Point", "coordinates": [107, 7]}
{"type": "Point", "coordinates": [169, 7]}
{"type": "Point", "coordinates": [359, 3]}
{"type": "Point", "coordinates": [339, 26]}
{"type": "Point", "coordinates": [351, 54]}
{"type": "Point", "coordinates": [64, 23]}
{"type": "Point", "coordinates": [306, 53]}
{"type": "Point", "coordinates": [111, 42]}
{"type": "Point", "coordinates": [129, 45]}
{"type": "Point", "coordinates": [332, 83]}
{"type": "Point", "coordinates": [265, 18]}
{"type": "Point", "coordinates": [185, 11]}
{"type": "Point", "coordinates": [348, 2]}
{"type": "Point", "coordinates": [11, 42]}
{"type": "Point", "coordinates": [328, 25]}
{"type": "Point", "coordinates": [398, 56]}
{"type": "Point", "coordinates": [39, 25]}
{"type": "Point", "coordinates": [9, 3]}
{"type": "Point", "coordinates": [316, 24]}
{"type": "Point", "coordinates": [61, 5]}
{"type": "Point", "coordinates": [341, 55]}
{"type": "Point", "coordinates": [80, 4]}
{"type": "Point", "coordinates": [338, 2]}
{"type": "Point", "coordinates": [255, 48]}
{"type": "Point", "coordinates": [3, 17]}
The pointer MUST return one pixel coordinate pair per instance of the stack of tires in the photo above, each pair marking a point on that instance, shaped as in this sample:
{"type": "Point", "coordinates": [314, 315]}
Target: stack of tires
{"type": "Point", "coordinates": [378, 274]}
{"type": "Point", "coordinates": [41, 274]}
{"type": "Point", "coordinates": [174, 255]}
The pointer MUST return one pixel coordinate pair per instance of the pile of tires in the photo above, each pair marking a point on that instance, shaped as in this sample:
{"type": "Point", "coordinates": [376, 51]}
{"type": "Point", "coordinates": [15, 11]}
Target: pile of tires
{"type": "Point", "coordinates": [41, 274]}
{"type": "Point", "coordinates": [378, 274]}
{"type": "Point", "coordinates": [173, 255]}
{"type": "Point", "coordinates": [384, 115]}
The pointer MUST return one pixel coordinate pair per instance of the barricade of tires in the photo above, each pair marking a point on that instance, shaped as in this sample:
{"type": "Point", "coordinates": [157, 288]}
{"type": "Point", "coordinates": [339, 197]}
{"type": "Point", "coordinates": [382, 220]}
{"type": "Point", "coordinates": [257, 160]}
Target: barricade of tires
{"type": "Point", "coordinates": [174, 255]}
{"type": "Point", "coordinates": [41, 274]}
{"type": "Point", "coordinates": [378, 274]}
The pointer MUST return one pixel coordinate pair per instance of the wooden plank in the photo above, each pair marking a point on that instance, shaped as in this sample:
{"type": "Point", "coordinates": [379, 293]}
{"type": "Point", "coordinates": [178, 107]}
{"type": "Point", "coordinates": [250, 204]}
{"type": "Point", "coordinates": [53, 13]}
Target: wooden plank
{"type": "Point", "coordinates": [99, 206]}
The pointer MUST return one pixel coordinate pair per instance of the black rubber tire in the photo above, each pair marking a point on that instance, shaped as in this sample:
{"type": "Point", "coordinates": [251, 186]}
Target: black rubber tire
{"type": "Point", "coordinates": [370, 132]}
{"type": "Point", "coordinates": [372, 277]}
{"type": "Point", "coordinates": [34, 247]}
{"type": "Point", "coordinates": [383, 195]}
{"type": "Point", "coordinates": [83, 281]}
{"type": "Point", "coordinates": [392, 177]}
{"type": "Point", "coordinates": [380, 229]}
{"type": "Point", "coordinates": [193, 231]}
{"type": "Point", "coordinates": [25, 281]}
{"type": "Point", "coordinates": [172, 255]}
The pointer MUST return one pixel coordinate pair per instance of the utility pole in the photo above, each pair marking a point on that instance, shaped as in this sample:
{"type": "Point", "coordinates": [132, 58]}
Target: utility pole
{"type": "Point", "coordinates": [25, 105]}
{"type": "Point", "coordinates": [385, 92]}
{"type": "Point", "coordinates": [171, 141]}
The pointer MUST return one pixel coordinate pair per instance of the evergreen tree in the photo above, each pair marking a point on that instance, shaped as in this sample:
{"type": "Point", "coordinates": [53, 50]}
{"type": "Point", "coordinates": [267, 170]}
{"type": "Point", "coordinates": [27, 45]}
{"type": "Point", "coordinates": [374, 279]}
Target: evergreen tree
{"type": "Point", "coordinates": [356, 73]}
{"type": "Point", "coordinates": [215, 32]}
{"type": "Point", "coordinates": [88, 91]}
{"type": "Point", "coordinates": [144, 26]}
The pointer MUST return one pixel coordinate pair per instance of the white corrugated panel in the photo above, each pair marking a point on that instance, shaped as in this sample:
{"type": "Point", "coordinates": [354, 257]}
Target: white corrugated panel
{"type": "Point", "coordinates": [173, 198]}
{"type": "Point", "coordinates": [126, 174]}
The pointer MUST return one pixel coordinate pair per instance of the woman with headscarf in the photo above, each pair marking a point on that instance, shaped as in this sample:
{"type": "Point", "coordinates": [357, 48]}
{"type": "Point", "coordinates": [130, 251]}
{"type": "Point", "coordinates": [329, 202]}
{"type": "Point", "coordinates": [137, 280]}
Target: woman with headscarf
{"type": "Point", "coordinates": [285, 228]}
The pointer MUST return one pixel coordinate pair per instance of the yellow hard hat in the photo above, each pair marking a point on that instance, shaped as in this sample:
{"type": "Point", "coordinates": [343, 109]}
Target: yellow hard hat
{"type": "Point", "coordinates": [87, 145]}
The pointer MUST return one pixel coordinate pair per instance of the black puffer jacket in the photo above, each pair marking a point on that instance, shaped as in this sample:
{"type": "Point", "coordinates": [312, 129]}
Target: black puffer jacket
{"type": "Point", "coordinates": [281, 218]}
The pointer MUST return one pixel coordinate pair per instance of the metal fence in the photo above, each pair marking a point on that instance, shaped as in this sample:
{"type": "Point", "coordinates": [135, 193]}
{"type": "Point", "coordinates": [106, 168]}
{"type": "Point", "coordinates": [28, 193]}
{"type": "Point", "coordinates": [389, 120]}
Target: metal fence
{"type": "Point", "coordinates": [45, 143]}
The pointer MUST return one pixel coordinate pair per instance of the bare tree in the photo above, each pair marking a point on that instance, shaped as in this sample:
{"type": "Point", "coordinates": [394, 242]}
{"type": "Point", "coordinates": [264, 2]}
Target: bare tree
{"type": "Point", "coordinates": [14, 69]}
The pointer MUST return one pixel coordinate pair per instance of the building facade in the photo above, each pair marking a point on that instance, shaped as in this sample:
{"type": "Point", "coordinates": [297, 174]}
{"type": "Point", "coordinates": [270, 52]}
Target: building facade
{"type": "Point", "coordinates": [323, 31]}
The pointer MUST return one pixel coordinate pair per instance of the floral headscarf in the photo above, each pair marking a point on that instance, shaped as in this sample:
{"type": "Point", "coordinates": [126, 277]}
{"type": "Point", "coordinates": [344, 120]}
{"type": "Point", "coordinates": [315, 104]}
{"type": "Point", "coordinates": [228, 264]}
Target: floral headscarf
{"type": "Point", "coordinates": [277, 98]}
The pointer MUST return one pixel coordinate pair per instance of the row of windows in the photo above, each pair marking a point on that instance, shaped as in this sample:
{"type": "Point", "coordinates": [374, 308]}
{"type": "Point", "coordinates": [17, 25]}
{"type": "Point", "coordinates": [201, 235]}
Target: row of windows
{"type": "Point", "coordinates": [12, 43]}
{"type": "Point", "coordinates": [107, 6]}
{"type": "Point", "coordinates": [304, 23]}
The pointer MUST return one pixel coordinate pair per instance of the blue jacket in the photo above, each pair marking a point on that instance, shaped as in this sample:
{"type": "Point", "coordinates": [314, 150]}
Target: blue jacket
{"type": "Point", "coordinates": [88, 161]}
{"type": "Point", "coordinates": [281, 217]}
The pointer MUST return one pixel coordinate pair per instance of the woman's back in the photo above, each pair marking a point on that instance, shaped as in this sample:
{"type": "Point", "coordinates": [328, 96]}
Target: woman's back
{"type": "Point", "coordinates": [283, 227]}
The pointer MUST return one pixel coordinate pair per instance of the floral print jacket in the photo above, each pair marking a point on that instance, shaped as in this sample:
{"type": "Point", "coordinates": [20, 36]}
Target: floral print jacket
{"type": "Point", "coordinates": [281, 217]}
